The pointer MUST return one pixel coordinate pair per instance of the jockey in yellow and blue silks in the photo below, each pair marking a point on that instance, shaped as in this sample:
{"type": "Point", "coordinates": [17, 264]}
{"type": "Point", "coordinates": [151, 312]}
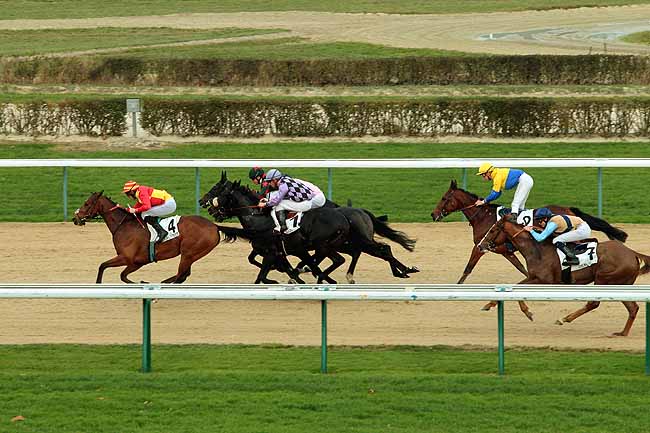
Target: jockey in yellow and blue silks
{"type": "Point", "coordinates": [504, 179]}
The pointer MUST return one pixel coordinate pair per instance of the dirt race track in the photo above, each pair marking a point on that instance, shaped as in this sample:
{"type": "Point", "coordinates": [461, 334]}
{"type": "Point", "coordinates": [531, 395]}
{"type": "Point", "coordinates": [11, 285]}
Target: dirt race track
{"type": "Point", "coordinates": [62, 252]}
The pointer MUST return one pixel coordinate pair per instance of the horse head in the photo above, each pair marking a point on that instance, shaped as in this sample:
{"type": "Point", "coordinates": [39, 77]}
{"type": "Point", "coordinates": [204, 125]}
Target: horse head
{"type": "Point", "coordinates": [90, 209]}
{"type": "Point", "coordinates": [206, 200]}
{"type": "Point", "coordinates": [454, 199]}
{"type": "Point", "coordinates": [496, 236]}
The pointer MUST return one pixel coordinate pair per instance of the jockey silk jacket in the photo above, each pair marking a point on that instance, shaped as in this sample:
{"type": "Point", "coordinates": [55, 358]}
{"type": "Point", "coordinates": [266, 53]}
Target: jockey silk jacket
{"type": "Point", "coordinates": [148, 197]}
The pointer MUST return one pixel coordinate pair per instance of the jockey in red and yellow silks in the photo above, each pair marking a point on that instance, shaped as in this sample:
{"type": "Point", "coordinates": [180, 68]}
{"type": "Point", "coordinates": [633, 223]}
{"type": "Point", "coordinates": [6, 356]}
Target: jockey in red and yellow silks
{"type": "Point", "coordinates": [150, 204]}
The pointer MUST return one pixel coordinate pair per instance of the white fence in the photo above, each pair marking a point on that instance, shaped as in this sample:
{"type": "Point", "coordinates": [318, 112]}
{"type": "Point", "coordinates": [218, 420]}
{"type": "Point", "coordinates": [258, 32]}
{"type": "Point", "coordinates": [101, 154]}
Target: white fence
{"type": "Point", "coordinates": [330, 164]}
{"type": "Point", "coordinates": [343, 292]}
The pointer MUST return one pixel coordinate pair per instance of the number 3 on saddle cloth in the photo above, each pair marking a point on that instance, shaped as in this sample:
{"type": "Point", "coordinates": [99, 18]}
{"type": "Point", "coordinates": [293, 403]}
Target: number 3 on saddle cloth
{"type": "Point", "coordinates": [171, 225]}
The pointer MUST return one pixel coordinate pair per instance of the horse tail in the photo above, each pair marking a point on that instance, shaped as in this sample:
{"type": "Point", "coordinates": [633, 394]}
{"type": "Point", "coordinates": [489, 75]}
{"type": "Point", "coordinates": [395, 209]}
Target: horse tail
{"type": "Point", "coordinates": [601, 225]}
{"type": "Point", "coordinates": [644, 262]}
{"type": "Point", "coordinates": [231, 234]}
{"type": "Point", "coordinates": [382, 229]}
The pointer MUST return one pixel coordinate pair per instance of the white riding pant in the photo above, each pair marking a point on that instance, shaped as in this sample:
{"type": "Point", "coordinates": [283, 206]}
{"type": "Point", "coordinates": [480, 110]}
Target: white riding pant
{"type": "Point", "coordinates": [583, 231]}
{"type": "Point", "coordinates": [164, 209]}
{"type": "Point", "coordinates": [297, 206]}
{"type": "Point", "coordinates": [521, 193]}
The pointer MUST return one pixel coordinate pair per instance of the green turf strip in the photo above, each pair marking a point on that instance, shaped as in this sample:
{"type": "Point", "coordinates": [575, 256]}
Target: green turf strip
{"type": "Point", "coordinates": [12, 9]}
{"type": "Point", "coordinates": [406, 195]}
{"type": "Point", "coordinates": [34, 42]}
{"type": "Point", "coordinates": [638, 38]}
{"type": "Point", "coordinates": [285, 49]}
{"type": "Point", "coordinates": [66, 388]}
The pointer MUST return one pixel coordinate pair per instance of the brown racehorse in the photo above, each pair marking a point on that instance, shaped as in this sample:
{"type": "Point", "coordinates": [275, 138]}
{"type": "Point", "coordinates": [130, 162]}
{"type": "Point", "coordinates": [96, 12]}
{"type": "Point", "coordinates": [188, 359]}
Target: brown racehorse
{"type": "Point", "coordinates": [617, 264]}
{"type": "Point", "coordinates": [197, 237]}
{"type": "Point", "coordinates": [481, 218]}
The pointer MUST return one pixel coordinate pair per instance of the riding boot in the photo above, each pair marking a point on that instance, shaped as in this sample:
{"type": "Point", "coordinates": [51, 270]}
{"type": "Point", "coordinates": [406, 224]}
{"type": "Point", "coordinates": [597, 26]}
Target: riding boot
{"type": "Point", "coordinates": [282, 220]}
{"type": "Point", "coordinates": [155, 223]}
{"type": "Point", "coordinates": [570, 258]}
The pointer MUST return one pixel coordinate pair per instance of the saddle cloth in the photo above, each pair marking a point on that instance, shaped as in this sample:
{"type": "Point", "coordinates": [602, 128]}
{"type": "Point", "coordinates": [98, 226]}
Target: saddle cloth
{"type": "Point", "coordinates": [524, 217]}
{"type": "Point", "coordinates": [170, 224]}
{"type": "Point", "coordinates": [293, 222]}
{"type": "Point", "coordinates": [586, 253]}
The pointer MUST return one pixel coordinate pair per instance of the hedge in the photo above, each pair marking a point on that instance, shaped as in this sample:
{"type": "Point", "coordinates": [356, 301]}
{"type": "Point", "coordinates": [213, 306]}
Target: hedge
{"type": "Point", "coordinates": [320, 117]}
{"type": "Point", "coordinates": [472, 70]}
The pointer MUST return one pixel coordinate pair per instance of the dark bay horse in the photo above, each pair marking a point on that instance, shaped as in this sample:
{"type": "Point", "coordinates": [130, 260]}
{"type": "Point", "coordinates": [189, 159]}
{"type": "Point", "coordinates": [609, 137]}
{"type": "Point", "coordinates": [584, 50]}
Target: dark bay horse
{"type": "Point", "coordinates": [327, 231]}
{"type": "Point", "coordinates": [481, 218]}
{"type": "Point", "coordinates": [617, 264]}
{"type": "Point", "coordinates": [197, 237]}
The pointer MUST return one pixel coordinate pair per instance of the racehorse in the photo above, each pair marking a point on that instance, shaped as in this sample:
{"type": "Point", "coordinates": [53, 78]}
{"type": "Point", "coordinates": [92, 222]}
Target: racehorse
{"type": "Point", "coordinates": [197, 237]}
{"type": "Point", "coordinates": [617, 264]}
{"type": "Point", "coordinates": [481, 218]}
{"type": "Point", "coordinates": [327, 231]}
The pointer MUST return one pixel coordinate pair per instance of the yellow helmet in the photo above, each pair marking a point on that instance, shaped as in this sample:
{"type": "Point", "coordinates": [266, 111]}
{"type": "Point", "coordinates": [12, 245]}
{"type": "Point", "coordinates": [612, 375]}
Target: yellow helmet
{"type": "Point", "coordinates": [486, 167]}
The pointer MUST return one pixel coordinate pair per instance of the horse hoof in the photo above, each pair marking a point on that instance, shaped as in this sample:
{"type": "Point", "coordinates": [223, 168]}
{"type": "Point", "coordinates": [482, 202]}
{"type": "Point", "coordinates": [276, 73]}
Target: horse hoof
{"type": "Point", "coordinates": [619, 334]}
{"type": "Point", "coordinates": [413, 270]}
{"type": "Point", "coordinates": [304, 270]}
{"type": "Point", "coordinates": [529, 315]}
{"type": "Point", "coordinates": [350, 278]}
{"type": "Point", "coordinates": [559, 322]}
{"type": "Point", "coordinates": [144, 282]}
{"type": "Point", "coordinates": [292, 281]}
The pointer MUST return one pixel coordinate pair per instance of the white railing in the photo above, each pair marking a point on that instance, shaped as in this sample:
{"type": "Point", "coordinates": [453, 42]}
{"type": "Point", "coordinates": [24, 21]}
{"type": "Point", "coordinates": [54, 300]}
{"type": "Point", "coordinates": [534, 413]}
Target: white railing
{"type": "Point", "coordinates": [343, 292]}
{"type": "Point", "coordinates": [330, 164]}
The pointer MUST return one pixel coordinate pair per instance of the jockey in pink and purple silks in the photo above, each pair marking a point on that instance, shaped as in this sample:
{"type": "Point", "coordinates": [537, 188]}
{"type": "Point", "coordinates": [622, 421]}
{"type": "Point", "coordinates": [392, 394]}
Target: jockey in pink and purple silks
{"type": "Point", "coordinates": [292, 194]}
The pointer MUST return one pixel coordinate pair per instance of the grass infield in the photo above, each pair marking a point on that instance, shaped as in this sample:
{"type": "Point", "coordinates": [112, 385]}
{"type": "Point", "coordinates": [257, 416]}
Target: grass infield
{"type": "Point", "coordinates": [99, 8]}
{"type": "Point", "coordinates": [406, 195]}
{"type": "Point", "coordinates": [234, 389]}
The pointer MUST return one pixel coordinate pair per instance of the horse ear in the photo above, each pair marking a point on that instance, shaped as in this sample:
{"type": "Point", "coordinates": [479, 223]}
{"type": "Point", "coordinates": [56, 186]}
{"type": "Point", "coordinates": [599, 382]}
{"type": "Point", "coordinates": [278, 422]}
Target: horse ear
{"type": "Point", "coordinates": [453, 184]}
{"type": "Point", "coordinates": [224, 176]}
{"type": "Point", "coordinates": [101, 192]}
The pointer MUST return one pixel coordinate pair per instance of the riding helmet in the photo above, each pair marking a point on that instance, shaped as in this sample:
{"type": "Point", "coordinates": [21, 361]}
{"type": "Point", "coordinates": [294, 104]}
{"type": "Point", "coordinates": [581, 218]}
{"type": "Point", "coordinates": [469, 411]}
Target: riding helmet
{"type": "Point", "coordinates": [255, 172]}
{"type": "Point", "coordinates": [130, 186]}
{"type": "Point", "coordinates": [486, 167]}
{"type": "Point", "coordinates": [542, 212]}
{"type": "Point", "coordinates": [273, 173]}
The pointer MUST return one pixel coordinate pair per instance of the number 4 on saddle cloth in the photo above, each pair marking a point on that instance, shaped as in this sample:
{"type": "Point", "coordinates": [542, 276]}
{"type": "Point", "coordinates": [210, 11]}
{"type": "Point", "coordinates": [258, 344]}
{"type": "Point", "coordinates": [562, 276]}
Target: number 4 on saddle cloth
{"type": "Point", "coordinates": [170, 224]}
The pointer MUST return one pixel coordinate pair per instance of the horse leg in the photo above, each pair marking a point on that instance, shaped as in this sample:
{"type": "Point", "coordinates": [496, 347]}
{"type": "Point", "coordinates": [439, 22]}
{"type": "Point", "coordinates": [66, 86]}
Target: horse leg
{"type": "Point", "coordinates": [112, 263]}
{"type": "Point", "coordinates": [128, 270]}
{"type": "Point", "coordinates": [315, 270]}
{"type": "Point", "coordinates": [267, 264]}
{"type": "Point", "coordinates": [474, 257]}
{"type": "Point", "coordinates": [516, 263]}
{"type": "Point", "coordinates": [337, 261]}
{"type": "Point", "coordinates": [590, 305]}
{"type": "Point", "coordinates": [383, 251]}
{"type": "Point", "coordinates": [632, 309]}
{"type": "Point", "coordinates": [522, 305]}
{"type": "Point", "coordinates": [252, 261]}
{"type": "Point", "coordinates": [353, 264]}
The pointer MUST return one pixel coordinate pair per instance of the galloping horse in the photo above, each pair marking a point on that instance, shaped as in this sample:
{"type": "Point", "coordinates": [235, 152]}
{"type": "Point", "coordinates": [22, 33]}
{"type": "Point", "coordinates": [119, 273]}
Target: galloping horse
{"type": "Point", "coordinates": [327, 231]}
{"type": "Point", "coordinates": [481, 218]}
{"type": "Point", "coordinates": [197, 237]}
{"type": "Point", "coordinates": [617, 264]}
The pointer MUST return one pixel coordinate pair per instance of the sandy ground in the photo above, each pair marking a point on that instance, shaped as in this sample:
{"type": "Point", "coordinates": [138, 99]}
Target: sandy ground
{"type": "Point", "coordinates": [573, 31]}
{"type": "Point", "coordinates": [62, 252]}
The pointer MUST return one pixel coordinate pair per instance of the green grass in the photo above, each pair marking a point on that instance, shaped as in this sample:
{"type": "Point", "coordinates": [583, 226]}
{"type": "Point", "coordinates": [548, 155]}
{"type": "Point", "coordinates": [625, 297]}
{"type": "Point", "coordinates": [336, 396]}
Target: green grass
{"type": "Point", "coordinates": [66, 388]}
{"type": "Point", "coordinates": [35, 42]}
{"type": "Point", "coordinates": [285, 49]}
{"type": "Point", "coordinates": [638, 38]}
{"type": "Point", "coordinates": [12, 9]}
{"type": "Point", "coordinates": [408, 195]}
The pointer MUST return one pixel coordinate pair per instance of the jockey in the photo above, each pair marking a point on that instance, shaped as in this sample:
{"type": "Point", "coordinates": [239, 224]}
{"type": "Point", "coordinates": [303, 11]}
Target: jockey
{"type": "Point", "coordinates": [568, 228]}
{"type": "Point", "coordinates": [150, 204]}
{"type": "Point", "coordinates": [256, 175]}
{"type": "Point", "coordinates": [292, 194]}
{"type": "Point", "coordinates": [504, 179]}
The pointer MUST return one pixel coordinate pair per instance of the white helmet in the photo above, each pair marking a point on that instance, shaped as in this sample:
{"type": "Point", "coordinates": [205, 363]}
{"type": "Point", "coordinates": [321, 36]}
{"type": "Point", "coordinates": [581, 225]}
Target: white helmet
{"type": "Point", "coordinates": [273, 173]}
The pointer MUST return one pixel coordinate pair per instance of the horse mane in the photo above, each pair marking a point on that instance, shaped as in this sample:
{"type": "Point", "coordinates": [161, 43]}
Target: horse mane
{"type": "Point", "coordinates": [246, 190]}
{"type": "Point", "coordinates": [476, 197]}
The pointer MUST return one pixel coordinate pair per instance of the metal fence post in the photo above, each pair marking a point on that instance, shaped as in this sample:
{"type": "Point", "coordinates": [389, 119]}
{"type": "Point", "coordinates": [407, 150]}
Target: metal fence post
{"type": "Point", "coordinates": [197, 189]}
{"type": "Point", "coordinates": [146, 335]}
{"type": "Point", "coordinates": [65, 194]}
{"type": "Point", "coordinates": [501, 345]}
{"type": "Point", "coordinates": [600, 192]}
{"type": "Point", "coordinates": [329, 183]}
{"type": "Point", "coordinates": [323, 337]}
{"type": "Point", "coordinates": [462, 215]}
{"type": "Point", "coordinates": [647, 339]}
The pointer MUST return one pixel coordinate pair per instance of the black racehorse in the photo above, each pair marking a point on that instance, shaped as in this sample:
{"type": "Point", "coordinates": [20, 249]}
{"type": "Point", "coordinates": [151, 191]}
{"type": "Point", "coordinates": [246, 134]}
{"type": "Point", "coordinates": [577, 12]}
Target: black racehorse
{"type": "Point", "coordinates": [326, 231]}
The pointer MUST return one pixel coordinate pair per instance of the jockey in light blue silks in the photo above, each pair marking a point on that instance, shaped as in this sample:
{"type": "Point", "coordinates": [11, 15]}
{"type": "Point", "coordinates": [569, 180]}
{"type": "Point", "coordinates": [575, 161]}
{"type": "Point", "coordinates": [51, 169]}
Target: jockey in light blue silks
{"type": "Point", "coordinates": [292, 194]}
